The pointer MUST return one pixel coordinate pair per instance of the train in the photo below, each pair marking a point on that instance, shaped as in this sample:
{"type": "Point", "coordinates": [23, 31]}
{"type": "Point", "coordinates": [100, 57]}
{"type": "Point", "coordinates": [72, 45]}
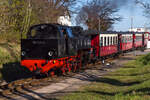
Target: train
{"type": "Point", "coordinates": [54, 49]}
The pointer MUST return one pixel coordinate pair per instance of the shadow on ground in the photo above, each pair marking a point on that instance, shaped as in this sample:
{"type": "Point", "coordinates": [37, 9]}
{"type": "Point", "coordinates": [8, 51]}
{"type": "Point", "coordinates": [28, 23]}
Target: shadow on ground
{"type": "Point", "coordinates": [13, 71]}
{"type": "Point", "coordinates": [58, 94]}
{"type": "Point", "coordinates": [89, 77]}
{"type": "Point", "coordinates": [30, 95]}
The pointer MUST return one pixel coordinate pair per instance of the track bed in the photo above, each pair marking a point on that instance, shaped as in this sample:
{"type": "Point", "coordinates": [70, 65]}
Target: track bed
{"type": "Point", "coordinates": [54, 87]}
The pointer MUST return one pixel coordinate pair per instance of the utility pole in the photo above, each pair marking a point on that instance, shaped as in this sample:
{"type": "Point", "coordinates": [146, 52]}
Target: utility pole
{"type": "Point", "coordinates": [99, 22]}
{"type": "Point", "coordinates": [131, 23]}
{"type": "Point", "coordinates": [145, 28]}
{"type": "Point", "coordinates": [99, 37]}
{"type": "Point", "coordinates": [132, 31]}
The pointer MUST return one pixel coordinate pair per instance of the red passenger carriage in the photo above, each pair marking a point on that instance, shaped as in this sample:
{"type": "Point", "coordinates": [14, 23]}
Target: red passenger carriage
{"type": "Point", "coordinates": [105, 43]}
{"type": "Point", "coordinates": [126, 41]}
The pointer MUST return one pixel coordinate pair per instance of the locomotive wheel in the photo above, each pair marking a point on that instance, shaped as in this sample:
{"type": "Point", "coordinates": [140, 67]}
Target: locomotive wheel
{"type": "Point", "coordinates": [74, 67]}
{"type": "Point", "coordinates": [68, 67]}
{"type": "Point", "coordinates": [79, 65]}
{"type": "Point", "coordinates": [63, 70]}
{"type": "Point", "coordinates": [58, 71]}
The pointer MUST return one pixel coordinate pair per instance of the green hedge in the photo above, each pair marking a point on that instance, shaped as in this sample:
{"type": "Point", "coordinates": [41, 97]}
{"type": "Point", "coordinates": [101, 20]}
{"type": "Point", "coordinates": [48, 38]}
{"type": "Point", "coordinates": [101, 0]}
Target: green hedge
{"type": "Point", "coordinates": [145, 60]}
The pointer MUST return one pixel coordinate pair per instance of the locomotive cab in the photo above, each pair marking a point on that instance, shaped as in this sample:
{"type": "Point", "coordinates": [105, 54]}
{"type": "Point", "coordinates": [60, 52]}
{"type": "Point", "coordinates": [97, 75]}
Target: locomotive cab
{"type": "Point", "coordinates": [48, 41]}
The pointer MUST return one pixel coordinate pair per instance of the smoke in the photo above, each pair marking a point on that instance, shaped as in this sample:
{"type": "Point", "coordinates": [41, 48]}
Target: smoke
{"type": "Point", "coordinates": [121, 3]}
{"type": "Point", "coordinates": [129, 5]}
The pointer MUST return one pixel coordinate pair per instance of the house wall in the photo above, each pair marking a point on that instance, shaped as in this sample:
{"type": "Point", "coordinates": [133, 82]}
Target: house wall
{"type": "Point", "coordinates": [64, 20]}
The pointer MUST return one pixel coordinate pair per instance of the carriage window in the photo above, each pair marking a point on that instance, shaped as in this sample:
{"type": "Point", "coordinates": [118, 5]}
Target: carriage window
{"type": "Point", "coordinates": [108, 41]}
{"type": "Point", "coordinates": [111, 40]}
{"type": "Point", "coordinates": [122, 39]}
{"type": "Point", "coordinates": [129, 38]}
{"type": "Point", "coordinates": [101, 42]}
{"type": "Point", "coordinates": [116, 40]}
{"type": "Point", "coordinates": [105, 41]}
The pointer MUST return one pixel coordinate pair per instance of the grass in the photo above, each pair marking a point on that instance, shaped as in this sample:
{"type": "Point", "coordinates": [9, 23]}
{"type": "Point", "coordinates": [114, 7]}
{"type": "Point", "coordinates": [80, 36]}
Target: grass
{"type": "Point", "coordinates": [131, 82]}
{"type": "Point", "coordinates": [9, 49]}
{"type": "Point", "coordinates": [9, 53]}
{"type": "Point", "coordinates": [4, 55]}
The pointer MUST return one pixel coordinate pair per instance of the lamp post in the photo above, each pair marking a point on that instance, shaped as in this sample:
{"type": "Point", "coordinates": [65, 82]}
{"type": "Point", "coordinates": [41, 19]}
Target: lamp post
{"type": "Point", "coordinates": [99, 38]}
{"type": "Point", "coordinates": [134, 34]}
{"type": "Point", "coordinates": [131, 23]}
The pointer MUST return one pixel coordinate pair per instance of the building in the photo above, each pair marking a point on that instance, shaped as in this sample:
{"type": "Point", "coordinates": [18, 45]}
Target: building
{"type": "Point", "coordinates": [140, 29]}
{"type": "Point", "coordinates": [64, 20]}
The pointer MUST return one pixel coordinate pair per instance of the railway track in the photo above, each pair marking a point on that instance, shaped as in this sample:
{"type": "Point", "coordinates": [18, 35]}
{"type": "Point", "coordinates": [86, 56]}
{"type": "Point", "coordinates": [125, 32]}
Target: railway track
{"type": "Point", "coordinates": [36, 83]}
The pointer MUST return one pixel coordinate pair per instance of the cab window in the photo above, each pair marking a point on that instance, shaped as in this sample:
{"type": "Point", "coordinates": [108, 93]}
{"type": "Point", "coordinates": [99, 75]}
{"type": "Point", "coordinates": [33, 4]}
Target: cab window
{"type": "Point", "coordinates": [42, 32]}
{"type": "Point", "coordinates": [69, 31]}
{"type": "Point", "coordinates": [101, 42]}
{"type": "Point", "coordinates": [64, 31]}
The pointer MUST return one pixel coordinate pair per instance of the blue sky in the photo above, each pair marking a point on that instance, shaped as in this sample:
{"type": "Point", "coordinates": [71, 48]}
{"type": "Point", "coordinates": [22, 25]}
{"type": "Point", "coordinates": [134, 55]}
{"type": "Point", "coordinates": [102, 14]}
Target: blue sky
{"type": "Point", "coordinates": [128, 11]}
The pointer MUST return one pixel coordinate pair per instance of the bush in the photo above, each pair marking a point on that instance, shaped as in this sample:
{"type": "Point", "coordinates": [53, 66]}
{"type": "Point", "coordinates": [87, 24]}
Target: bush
{"type": "Point", "coordinates": [145, 60]}
{"type": "Point", "coordinates": [9, 52]}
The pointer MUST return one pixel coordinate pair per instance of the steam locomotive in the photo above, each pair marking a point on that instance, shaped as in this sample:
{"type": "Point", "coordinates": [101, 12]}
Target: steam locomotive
{"type": "Point", "coordinates": [56, 49]}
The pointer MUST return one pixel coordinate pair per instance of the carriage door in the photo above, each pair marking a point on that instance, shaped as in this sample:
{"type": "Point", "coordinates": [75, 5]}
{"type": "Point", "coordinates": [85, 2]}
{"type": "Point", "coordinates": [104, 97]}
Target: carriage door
{"type": "Point", "coordinates": [119, 42]}
{"type": "Point", "coordinates": [143, 40]}
{"type": "Point", "coordinates": [134, 40]}
{"type": "Point", "coordinates": [95, 44]}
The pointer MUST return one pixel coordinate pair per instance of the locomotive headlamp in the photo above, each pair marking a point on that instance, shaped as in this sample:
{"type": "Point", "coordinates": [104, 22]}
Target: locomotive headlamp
{"type": "Point", "coordinates": [51, 53]}
{"type": "Point", "coordinates": [23, 53]}
{"type": "Point", "coordinates": [54, 61]}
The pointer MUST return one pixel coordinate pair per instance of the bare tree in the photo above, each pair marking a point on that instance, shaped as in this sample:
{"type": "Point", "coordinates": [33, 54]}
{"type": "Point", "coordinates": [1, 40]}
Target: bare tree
{"type": "Point", "coordinates": [3, 16]}
{"type": "Point", "coordinates": [98, 14]}
{"type": "Point", "coordinates": [48, 11]}
{"type": "Point", "coordinates": [12, 15]}
{"type": "Point", "coordinates": [146, 6]}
